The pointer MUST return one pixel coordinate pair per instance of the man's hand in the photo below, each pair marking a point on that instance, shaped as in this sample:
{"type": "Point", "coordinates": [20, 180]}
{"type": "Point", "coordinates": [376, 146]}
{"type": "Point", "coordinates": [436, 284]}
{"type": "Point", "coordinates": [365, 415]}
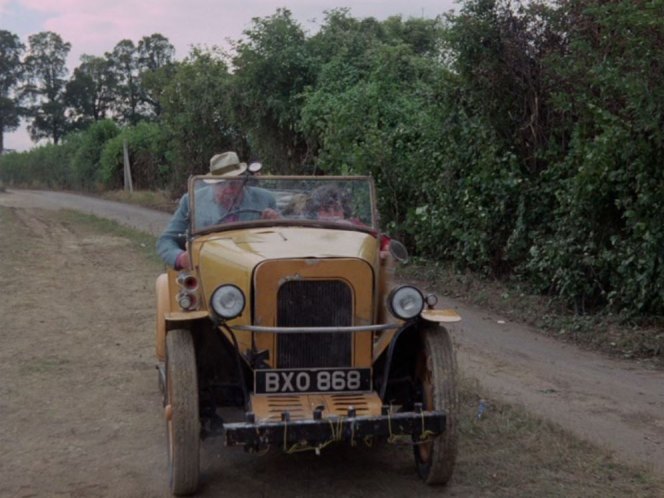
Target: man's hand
{"type": "Point", "coordinates": [270, 214]}
{"type": "Point", "coordinates": [182, 261]}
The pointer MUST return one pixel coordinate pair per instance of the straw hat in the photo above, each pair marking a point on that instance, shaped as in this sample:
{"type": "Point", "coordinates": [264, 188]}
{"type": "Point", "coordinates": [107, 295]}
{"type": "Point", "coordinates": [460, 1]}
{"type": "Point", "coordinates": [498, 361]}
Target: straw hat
{"type": "Point", "coordinates": [226, 164]}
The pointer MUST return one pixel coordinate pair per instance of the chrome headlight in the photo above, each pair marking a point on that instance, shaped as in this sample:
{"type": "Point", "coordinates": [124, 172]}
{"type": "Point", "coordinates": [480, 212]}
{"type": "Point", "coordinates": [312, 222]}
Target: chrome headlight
{"type": "Point", "coordinates": [405, 302]}
{"type": "Point", "coordinates": [227, 301]}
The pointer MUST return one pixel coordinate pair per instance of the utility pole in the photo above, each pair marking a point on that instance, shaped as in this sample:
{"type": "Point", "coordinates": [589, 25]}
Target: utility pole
{"type": "Point", "coordinates": [128, 185]}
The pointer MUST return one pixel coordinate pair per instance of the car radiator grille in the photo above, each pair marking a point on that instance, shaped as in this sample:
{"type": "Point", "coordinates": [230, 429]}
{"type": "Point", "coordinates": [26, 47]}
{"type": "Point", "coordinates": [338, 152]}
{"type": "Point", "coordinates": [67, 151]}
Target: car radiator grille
{"type": "Point", "coordinates": [314, 303]}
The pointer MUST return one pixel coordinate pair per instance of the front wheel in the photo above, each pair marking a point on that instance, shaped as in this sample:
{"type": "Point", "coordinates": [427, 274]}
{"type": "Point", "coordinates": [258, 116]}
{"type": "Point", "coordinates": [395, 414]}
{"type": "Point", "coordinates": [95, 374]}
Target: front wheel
{"type": "Point", "coordinates": [181, 410]}
{"type": "Point", "coordinates": [436, 375]}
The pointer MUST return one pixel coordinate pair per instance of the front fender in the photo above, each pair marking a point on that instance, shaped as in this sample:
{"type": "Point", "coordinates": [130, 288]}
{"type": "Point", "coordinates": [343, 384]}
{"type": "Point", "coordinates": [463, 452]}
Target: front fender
{"type": "Point", "coordinates": [405, 343]}
{"type": "Point", "coordinates": [163, 307]}
{"type": "Point", "coordinates": [440, 316]}
{"type": "Point", "coordinates": [169, 318]}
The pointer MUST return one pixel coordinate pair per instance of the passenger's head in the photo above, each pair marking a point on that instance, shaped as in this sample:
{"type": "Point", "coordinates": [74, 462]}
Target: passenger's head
{"type": "Point", "coordinates": [328, 202]}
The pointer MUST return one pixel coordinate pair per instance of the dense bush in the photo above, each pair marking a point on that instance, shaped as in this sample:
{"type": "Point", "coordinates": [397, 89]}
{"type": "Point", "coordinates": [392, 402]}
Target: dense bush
{"type": "Point", "coordinates": [87, 159]}
{"type": "Point", "coordinates": [604, 242]}
{"type": "Point", "coordinates": [147, 145]}
{"type": "Point", "coordinates": [196, 113]}
{"type": "Point", "coordinates": [46, 166]}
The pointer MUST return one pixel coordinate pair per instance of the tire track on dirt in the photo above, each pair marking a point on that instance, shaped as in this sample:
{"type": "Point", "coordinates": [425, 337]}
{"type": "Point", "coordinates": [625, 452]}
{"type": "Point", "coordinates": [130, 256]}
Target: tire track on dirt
{"type": "Point", "coordinates": [68, 370]}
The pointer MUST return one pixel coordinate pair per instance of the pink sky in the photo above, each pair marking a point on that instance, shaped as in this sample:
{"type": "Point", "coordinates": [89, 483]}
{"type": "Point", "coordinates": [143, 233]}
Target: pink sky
{"type": "Point", "coordinates": [96, 26]}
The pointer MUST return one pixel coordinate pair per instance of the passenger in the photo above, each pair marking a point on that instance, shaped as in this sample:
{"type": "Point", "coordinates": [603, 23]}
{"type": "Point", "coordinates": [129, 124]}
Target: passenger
{"type": "Point", "coordinates": [213, 205]}
{"type": "Point", "coordinates": [328, 203]}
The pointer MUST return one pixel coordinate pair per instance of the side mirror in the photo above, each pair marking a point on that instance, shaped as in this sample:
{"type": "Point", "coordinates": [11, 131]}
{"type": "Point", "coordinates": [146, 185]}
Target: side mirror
{"type": "Point", "coordinates": [398, 251]}
{"type": "Point", "coordinates": [254, 167]}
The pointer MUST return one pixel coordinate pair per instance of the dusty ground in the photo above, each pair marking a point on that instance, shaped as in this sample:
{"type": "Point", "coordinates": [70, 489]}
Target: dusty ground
{"type": "Point", "coordinates": [79, 404]}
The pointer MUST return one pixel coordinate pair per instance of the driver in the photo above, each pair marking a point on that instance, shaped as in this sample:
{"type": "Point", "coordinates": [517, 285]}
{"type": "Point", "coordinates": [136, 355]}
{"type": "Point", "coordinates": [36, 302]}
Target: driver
{"type": "Point", "coordinates": [216, 203]}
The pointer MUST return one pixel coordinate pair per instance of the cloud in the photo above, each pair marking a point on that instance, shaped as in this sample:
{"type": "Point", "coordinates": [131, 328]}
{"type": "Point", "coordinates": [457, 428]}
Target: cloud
{"type": "Point", "coordinates": [18, 140]}
{"type": "Point", "coordinates": [95, 26]}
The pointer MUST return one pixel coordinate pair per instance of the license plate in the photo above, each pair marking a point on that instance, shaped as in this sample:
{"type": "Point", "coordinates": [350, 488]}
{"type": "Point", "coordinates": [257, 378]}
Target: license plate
{"type": "Point", "coordinates": [284, 381]}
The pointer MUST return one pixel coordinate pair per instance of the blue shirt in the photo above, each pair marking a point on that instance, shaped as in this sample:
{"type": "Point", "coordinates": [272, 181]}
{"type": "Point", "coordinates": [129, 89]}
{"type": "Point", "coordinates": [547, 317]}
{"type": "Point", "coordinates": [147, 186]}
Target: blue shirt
{"type": "Point", "coordinates": [172, 240]}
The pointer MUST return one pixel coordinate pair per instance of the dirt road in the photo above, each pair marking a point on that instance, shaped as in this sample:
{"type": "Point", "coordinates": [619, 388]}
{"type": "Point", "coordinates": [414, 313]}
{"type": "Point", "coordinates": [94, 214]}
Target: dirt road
{"type": "Point", "coordinates": [77, 373]}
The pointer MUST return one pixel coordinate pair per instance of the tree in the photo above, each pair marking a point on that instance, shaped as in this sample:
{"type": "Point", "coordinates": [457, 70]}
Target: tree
{"type": "Point", "coordinates": [124, 67]}
{"type": "Point", "coordinates": [11, 49]}
{"type": "Point", "coordinates": [197, 112]}
{"type": "Point", "coordinates": [90, 91]}
{"type": "Point", "coordinates": [272, 70]}
{"type": "Point", "coordinates": [155, 61]}
{"type": "Point", "coordinates": [371, 108]}
{"type": "Point", "coordinates": [45, 88]}
{"type": "Point", "coordinates": [500, 47]}
{"type": "Point", "coordinates": [86, 164]}
{"type": "Point", "coordinates": [379, 124]}
{"type": "Point", "coordinates": [346, 41]}
{"type": "Point", "coordinates": [140, 72]}
{"type": "Point", "coordinates": [154, 52]}
{"type": "Point", "coordinates": [604, 245]}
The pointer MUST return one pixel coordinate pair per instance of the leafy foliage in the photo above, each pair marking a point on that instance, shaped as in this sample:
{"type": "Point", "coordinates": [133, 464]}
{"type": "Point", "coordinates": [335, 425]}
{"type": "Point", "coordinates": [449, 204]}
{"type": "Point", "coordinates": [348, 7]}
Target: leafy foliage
{"type": "Point", "coordinates": [147, 144]}
{"type": "Point", "coordinates": [521, 140]}
{"type": "Point", "coordinates": [11, 69]}
{"type": "Point", "coordinates": [272, 69]}
{"type": "Point", "coordinates": [125, 72]}
{"type": "Point", "coordinates": [45, 88]}
{"type": "Point", "coordinates": [604, 245]}
{"type": "Point", "coordinates": [46, 166]}
{"type": "Point", "coordinates": [90, 92]}
{"type": "Point", "coordinates": [200, 126]}
{"type": "Point", "coordinates": [87, 158]}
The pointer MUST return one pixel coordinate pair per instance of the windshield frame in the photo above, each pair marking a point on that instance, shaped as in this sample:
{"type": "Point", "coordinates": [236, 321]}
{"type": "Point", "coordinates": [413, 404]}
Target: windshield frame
{"type": "Point", "coordinates": [373, 228]}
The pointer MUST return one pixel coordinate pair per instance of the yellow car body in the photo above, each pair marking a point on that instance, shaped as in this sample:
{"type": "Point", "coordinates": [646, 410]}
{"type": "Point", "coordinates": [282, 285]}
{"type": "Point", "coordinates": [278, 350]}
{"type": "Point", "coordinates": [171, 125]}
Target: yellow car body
{"type": "Point", "coordinates": [315, 353]}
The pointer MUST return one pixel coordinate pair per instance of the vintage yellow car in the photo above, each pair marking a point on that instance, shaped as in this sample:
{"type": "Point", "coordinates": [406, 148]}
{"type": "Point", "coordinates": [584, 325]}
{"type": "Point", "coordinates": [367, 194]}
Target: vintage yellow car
{"type": "Point", "coordinates": [296, 322]}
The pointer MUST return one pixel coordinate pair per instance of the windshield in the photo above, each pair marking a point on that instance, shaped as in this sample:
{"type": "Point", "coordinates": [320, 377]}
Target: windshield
{"type": "Point", "coordinates": [333, 201]}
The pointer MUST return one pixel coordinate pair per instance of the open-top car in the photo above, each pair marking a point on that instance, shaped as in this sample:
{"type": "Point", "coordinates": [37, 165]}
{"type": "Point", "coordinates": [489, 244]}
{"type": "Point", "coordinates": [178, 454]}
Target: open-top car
{"type": "Point", "coordinates": [293, 319]}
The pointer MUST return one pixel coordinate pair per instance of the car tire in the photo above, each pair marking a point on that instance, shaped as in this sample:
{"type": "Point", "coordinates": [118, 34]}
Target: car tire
{"type": "Point", "coordinates": [436, 374]}
{"type": "Point", "coordinates": [182, 418]}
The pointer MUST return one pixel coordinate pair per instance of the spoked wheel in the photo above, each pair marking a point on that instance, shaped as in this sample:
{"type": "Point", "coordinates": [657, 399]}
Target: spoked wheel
{"type": "Point", "coordinates": [436, 373]}
{"type": "Point", "coordinates": [181, 410]}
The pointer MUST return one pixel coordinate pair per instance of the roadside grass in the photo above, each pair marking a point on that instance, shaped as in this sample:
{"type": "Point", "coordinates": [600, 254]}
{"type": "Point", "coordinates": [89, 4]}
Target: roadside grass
{"type": "Point", "coordinates": [603, 331]}
{"type": "Point", "coordinates": [506, 452]}
{"type": "Point", "coordinates": [49, 365]}
{"type": "Point", "coordinates": [140, 241]}
{"type": "Point", "coordinates": [503, 450]}
{"type": "Point", "coordinates": [147, 198]}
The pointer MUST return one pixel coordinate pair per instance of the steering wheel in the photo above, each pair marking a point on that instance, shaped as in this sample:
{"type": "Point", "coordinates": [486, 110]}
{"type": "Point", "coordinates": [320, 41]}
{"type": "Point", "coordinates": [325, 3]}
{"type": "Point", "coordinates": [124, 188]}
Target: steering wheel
{"type": "Point", "coordinates": [239, 211]}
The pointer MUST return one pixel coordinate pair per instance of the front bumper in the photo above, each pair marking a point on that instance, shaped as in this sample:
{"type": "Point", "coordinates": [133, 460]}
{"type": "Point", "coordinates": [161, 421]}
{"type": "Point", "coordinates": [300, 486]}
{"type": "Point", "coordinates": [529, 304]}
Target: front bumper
{"type": "Point", "coordinates": [315, 433]}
